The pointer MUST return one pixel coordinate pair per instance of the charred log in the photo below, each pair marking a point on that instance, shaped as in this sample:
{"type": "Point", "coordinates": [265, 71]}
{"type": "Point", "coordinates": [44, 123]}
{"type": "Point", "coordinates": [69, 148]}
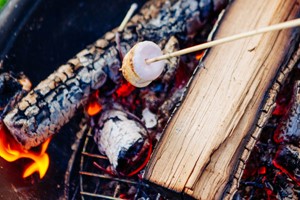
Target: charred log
{"type": "Point", "coordinates": [54, 101]}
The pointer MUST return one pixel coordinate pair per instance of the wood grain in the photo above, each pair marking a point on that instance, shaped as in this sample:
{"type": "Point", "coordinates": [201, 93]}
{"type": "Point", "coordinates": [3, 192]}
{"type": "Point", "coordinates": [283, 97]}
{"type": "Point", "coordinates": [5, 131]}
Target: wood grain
{"type": "Point", "coordinates": [205, 138]}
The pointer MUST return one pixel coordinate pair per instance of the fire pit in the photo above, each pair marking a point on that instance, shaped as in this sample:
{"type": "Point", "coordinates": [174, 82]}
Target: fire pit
{"type": "Point", "coordinates": [54, 32]}
{"type": "Point", "coordinates": [31, 49]}
{"type": "Point", "coordinates": [100, 151]}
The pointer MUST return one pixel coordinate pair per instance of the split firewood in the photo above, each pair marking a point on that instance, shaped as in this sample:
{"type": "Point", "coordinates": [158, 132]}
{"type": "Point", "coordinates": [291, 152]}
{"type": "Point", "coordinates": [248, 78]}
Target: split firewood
{"type": "Point", "coordinates": [206, 138]}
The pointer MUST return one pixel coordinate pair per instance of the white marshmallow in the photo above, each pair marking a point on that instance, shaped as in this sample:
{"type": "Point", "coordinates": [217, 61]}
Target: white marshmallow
{"type": "Point", "coordinates": [135, 69]}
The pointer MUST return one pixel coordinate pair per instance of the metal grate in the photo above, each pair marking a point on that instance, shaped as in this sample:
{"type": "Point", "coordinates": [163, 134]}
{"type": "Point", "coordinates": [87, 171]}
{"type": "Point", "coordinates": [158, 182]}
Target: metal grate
{"type": "Point", "coordinates": [97, 184]}
{"type": "Point", "coordinates": [84, 180]}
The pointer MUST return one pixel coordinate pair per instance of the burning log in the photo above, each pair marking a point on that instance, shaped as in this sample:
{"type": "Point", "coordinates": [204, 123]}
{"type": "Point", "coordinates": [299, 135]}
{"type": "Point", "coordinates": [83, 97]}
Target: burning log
{"type": "Point", "coordinates": [272, 170]}
{"type": "Point", "coordinates": [287, 137]}
{"type": "Point", "coordinates": [212, 133]}
{"type": "Point", "coordinates": [55, 100]}
{"type": "Point", "coordinates": [288, 157]}
{"type": "Point", "coordinates": [288, 131]}
{"type": "Point", "coordinates": [123, 138]}
{"type": "Point", "coordinates": [12, 88]}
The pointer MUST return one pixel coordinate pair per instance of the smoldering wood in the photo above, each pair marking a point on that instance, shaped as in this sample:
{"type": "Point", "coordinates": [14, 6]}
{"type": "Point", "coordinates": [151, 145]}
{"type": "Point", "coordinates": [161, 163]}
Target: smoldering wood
{"type": "Point", "coordinates": [9, 86]}
{"type": "Point", "coordinates": [265, 112]}
{"type": "Point", "coordinates": [117, 132]}
{"type": "Point", "coordinates": [288, 131]}
{"type": "Point", "coordinates": [54, 101]}
{"type": "Point", "coordinates": [205, 146]}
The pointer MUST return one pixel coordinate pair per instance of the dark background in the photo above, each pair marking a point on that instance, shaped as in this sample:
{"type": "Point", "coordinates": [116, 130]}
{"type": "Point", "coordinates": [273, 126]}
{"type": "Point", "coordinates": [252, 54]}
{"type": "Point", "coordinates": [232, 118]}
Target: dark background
{"type": "Point", "coordinates": [37, 36]}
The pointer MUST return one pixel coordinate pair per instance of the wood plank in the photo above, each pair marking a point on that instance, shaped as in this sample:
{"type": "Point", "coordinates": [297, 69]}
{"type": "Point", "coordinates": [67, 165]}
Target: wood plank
{"type": "Point", "coordinates": [200, 146]}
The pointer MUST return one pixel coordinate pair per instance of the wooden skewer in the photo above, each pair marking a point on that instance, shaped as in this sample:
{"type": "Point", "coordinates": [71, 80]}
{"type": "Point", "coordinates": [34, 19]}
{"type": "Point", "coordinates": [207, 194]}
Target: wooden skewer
{"type": "Point", "coordinates": [127, 17]}
{"type": "Point", "coordinates": [280, 26]}
{"type": "Point", "coordinates": [130, 12]}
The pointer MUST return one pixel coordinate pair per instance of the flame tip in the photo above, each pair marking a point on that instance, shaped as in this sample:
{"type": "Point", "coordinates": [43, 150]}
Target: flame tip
{"type": "Point", "coordinates": [11, 150]}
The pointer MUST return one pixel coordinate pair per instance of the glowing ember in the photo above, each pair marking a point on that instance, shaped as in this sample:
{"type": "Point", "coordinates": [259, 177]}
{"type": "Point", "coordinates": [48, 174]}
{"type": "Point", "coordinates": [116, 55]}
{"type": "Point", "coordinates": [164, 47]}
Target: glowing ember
{"type": "Point", "coordinates": [272, 171]}
{"type": "Point", "coordinates": [199, 55]}
{"type": "Point", "coordinates": [262, 170]}
{"type": "Point", "coordinates": [144, 163]}
{"type": "Point", "coordinates": [287, 160]}
{"type": "Point", "coordinates": [279, 110]}
{"type": "Point", "coordinates": [94, 107]}
{"type": "Point", "coordinates": [10, 150]}
{"type": "Point", "coordinates": [125, 89]}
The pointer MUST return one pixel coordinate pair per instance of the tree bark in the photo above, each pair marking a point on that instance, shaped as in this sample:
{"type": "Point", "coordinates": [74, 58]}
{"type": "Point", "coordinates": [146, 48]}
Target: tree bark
{"type": "Point", "coordinates": [204, 148]}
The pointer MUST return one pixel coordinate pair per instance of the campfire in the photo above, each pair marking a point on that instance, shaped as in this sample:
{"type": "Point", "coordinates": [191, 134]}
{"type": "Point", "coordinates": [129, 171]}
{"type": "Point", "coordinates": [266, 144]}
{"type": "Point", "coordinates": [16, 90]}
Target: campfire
{"type": "Point", "coordinates": [110, 125]}
{"type": "Point", "coordinates": [141, 107]}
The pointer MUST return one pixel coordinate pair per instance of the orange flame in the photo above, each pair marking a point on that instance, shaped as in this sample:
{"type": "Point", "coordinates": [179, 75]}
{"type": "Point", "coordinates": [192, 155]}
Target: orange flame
{"type": "Point", "coordinates": [94, 107]}
{"type": "Point", "coordinates": [11, 150]}
{"type": "Point", "coordinates": [200, 55]}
